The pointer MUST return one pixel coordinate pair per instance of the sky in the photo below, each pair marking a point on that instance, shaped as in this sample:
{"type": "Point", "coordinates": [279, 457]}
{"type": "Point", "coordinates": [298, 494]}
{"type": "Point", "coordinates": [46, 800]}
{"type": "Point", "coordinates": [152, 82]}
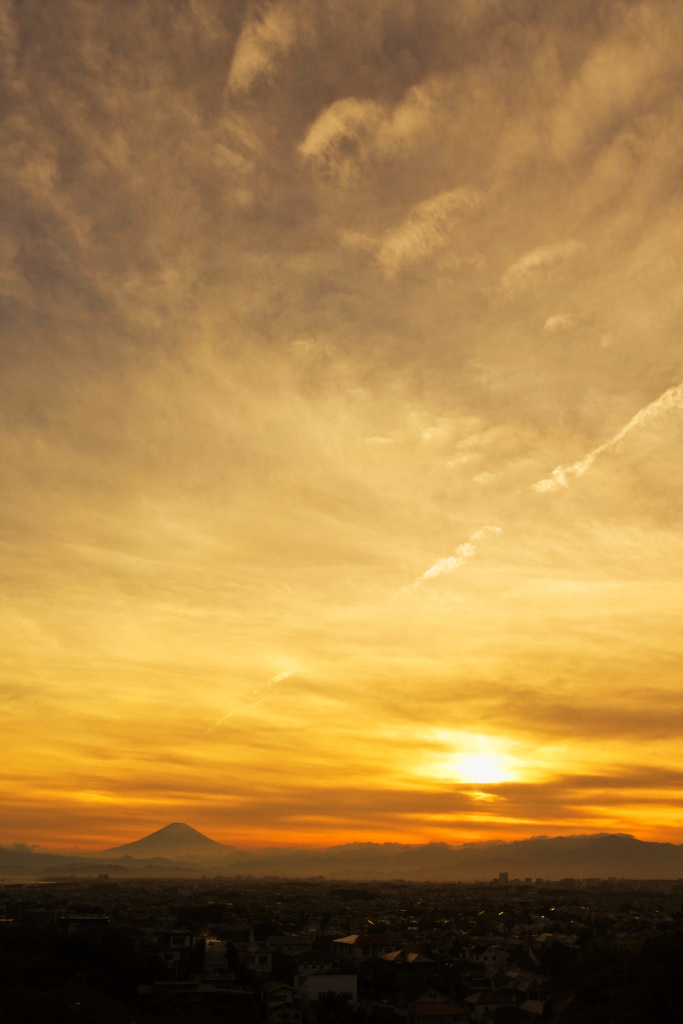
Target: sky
{"type": "Point", "coordinates": [341, 419]}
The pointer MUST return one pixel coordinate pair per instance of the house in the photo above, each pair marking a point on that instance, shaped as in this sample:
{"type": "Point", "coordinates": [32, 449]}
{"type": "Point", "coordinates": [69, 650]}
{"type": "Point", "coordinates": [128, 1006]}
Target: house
{"type": "Point", "coordinates": [191, 993]}
{"type": "Point", "coordinates": [281, 1003]}
{"type": "Point", "coordinates": [435, 1006]}
{"type": "Point", "coordinates": [259, 958]}
{"type": "Point", "coordinates": [486, 980]}
{"type": "Point", "coordinates": [288, 944]}
{"type": "Point", "coordinates": [441, 1013]}
{"type": "Point", "coordinates": [86, 925]}
{"type": "Point", "coordinates": [216, 967]}
{"type": "Point", "coordinates": [532, 1010]}
{"type": "Point", "coordinates": [485, 1004]}
{"type": "Point", "coordinates": [401, 956]}
{"type": "Point", "coordinates": [173, 946]}
{"type": "Point", "coordinates": [532, 987]}
{"type": "Point", "coordinates": [363, 947]}
{"type": "Point", "coordinates": [320, 987]}
{"type": "Point", "coordinates": [311, 962]}
{"type": "Point", "coordinates": [400, 970]}
{"type": "Point", "coordinates": [490, 956]}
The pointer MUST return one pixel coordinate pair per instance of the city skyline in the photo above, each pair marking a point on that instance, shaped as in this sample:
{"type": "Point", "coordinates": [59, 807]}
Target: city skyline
{"type": "Point", "coordinates": [342, 399]}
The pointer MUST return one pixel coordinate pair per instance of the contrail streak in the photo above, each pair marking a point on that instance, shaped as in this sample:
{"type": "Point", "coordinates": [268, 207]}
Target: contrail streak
{"type": "Point", "coordinates": [258, 695]}
{"type": "Point", "coordinates": [671, 399]}
{"type": "Point", "coordinates": [462, 553]}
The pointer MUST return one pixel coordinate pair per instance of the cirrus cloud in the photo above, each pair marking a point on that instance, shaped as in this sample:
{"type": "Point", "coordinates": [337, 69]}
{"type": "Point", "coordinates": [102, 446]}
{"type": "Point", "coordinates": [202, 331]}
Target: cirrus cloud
{"type": "Point", "coordinates": [560, 323]}
{"type": "Point", "coordinates": [462, 554]}
{"type": "Point", "coordinates": [429, 226]}
{"type": "Point", "coordinates": [521, 274]}
{"type": "Point", "coordinates": [262, 42]}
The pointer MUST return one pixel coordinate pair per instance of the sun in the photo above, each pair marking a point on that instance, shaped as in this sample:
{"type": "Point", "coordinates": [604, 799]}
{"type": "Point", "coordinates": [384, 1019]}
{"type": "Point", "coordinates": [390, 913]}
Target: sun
{"type": "Point", "coordinates": [476, 768]}
{"type": "Point", "coordinates": [471, 759]}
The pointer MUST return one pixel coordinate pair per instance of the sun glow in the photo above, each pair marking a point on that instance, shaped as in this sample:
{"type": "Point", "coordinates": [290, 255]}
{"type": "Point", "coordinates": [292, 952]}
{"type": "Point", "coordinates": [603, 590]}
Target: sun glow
{"type": "Point", "coordinates": [472, 760]}
{"type": "Point", "coordinates": [481, 768]}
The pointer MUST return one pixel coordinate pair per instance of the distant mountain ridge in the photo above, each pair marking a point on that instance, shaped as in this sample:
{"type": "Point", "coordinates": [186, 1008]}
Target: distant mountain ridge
{"type": "Point", "coordinates": [178, 850]}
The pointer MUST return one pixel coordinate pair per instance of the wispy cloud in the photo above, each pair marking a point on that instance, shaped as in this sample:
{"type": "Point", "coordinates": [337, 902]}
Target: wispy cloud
{"type": "Point", "coordinates": [257, 695]}
{"type": "Point", "coordinates": [671, 399]}
{"type": "Point", "coordinates": [560, 323]}
{"type": "Point", "coordinates": [463, 553]}
{"type": "Point", "coordinates": [338, 140]}
{"type": "Point", "coordinates": [521, 274]}
{"type": "Point", "coordinates": [352, 131]}
{"type": "Point", "coordinates": [430, 226]}
{"type": "Point", "coordinates": [427, 227]}
{"type": "Point", "coordinates": [263, 41]}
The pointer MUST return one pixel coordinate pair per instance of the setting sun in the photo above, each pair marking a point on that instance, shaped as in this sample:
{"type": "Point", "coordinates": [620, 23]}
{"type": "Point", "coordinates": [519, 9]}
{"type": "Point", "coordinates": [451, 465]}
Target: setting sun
{"type": "Point", "coordinates": [481, 768]}
{"type": "Point", "coordinates": [470, 759]}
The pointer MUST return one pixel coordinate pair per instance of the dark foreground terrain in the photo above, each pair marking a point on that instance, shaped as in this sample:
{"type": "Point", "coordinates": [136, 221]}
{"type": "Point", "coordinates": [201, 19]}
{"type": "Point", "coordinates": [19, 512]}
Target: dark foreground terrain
{"type": "Point", "coordinates": [242, 950]}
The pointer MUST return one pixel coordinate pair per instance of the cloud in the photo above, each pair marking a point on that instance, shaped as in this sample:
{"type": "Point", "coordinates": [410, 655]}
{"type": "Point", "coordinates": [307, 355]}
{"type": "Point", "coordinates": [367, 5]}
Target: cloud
{"type": "Point", "coordinates": [632, 69]}
{"type": "Point", "coordinates": [353, 136]}
{"type": "Point", "coordinates": [256, 697]}
{"type": "Point", "coordinates": [10, 47]}
{"type": "Point", "coordinates": [671, 399]}
{"type": "Point", "coordinates": [262, 42]}
{"type": "Point", "coordinates": [560, 323]}
{"type": "Point", "coordinates": [280, 677]}
{"type": "Point", "coordinates": [409, 118]}
{"type": "Point", "coordinates": [463, 553]}
{"type": "Point", "coordinates": [428, 227]}
{"type": "Point", "coordinates": [351, 130]}
{"type": "Point", "coordinates": [521, 275]}
{"type": "Point", "coordinates": [338, 140]}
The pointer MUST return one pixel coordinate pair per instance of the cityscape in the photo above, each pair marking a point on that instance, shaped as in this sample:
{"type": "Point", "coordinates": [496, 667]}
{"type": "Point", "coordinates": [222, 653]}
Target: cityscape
{"type": "Point", "coordinates": [248, 948]}
{"type": "Point", "coordinates": [245, 950]}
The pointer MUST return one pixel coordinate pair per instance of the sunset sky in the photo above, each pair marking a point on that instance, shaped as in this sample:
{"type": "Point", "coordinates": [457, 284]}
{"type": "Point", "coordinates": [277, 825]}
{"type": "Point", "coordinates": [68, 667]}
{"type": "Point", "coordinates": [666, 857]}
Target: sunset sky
{"type": "Point", "coordinates": [341, 419]}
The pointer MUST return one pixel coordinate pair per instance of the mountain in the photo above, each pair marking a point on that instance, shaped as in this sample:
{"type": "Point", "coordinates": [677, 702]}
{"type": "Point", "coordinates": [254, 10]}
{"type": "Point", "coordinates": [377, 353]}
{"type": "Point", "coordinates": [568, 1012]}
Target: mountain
{"type": "Point", "coordinates": [584, 856]}
{"type": "Point", "coordinates": [560, 857]}
{"type": "Point", "coordinates": [171, 842]}
{"type": "Point", "coordinates": [178, 850]}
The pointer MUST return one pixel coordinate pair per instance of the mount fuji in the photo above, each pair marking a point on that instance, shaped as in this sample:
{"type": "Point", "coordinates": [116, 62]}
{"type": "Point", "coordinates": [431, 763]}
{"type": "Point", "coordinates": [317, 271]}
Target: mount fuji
{"type": "Point", "coordinates": [173, 841]}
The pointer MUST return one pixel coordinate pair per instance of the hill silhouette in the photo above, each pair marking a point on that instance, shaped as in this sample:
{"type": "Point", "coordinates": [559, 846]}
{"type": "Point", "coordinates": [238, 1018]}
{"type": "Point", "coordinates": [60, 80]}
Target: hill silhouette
{"type": "Point", "coordinates": [179, 850]}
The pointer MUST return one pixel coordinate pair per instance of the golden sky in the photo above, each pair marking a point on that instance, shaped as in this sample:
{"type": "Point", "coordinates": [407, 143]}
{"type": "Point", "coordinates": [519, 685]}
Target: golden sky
{"type": "Point", "coordinates": [341, 419]}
